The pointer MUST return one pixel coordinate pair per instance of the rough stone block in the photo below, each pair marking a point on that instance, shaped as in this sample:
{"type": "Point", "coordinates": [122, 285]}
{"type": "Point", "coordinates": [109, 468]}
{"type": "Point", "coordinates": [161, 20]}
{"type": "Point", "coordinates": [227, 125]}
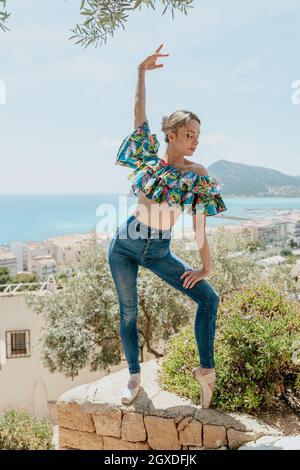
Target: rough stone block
{"type": "Point", "coordinates": [214, 436]}
{"type": "Point", "coordinates": [133, 428]}
{"type": "Point", "coordinates": [79, 439]}
{"type": "Point", "coordinates": [162, 433]}
{"type": "Point", "coordinates": [108, 422]}
{"type": "Point", "coordinates": [70, 415]}
{"type": "Point", "coordinates": [237, 438]}
{"type": "Point", "coordinates": [112, 443]}
{"type": "Point", "coordinates": [191, 434]}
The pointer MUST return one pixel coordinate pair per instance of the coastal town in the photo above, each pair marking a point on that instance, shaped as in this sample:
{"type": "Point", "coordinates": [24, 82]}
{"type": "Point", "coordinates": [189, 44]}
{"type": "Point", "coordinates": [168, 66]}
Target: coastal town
{"type": "Point", "coordinates": [61, 253]}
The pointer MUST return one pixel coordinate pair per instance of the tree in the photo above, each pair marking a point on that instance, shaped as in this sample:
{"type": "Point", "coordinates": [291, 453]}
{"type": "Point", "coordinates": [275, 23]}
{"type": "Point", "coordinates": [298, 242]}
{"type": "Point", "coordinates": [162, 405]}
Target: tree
{"type": "Point", "coordinates": [3, 15]}
{"type": "Point", "coordinates": [254, 245]}
{"type": "Point", "coordinates": [285, 252]}
{"type": "Point", "coordinates": [25, 277]}
{"type": "Point", "coordinates": [82, 320]}
{"type": "Point", "coordinates": [292, 243]}
{"type": "Point", "coordinates": [103, 17]}
{"type": "Point", "coordinates": [5, 276]}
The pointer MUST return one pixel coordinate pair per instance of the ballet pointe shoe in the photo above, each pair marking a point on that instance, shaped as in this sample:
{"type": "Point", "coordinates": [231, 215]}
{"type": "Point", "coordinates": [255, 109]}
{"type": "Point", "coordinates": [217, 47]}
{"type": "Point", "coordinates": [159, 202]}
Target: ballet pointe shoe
{"type": "Point", "coordinates": [205, 380]}
{"type": "Point", "coordinates": [130, 392]}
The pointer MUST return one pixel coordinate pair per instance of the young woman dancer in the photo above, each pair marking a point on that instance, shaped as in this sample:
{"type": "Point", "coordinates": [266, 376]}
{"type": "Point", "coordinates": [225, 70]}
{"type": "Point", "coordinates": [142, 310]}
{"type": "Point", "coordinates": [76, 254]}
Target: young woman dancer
{"type": "Point", "coordinates": [165, 187]}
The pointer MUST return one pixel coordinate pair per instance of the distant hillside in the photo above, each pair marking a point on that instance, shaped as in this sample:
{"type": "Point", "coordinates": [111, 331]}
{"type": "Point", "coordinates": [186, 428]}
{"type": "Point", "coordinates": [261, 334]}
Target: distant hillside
{"type": "Point", "coordinates": [249, 180]}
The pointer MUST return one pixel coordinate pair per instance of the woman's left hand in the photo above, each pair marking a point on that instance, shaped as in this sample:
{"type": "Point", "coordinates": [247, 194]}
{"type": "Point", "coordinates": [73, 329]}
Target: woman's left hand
{"type": "Point", "coordinates": [191, 277]}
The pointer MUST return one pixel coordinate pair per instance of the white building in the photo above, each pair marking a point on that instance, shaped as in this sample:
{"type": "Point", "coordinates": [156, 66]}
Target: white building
{"type": "Point", "coordinates": [45, 257]}
{"type": "Point", "coordinates": [43, 266]}
{"type": "Point", "coordinates": [67, 249]}
{"type": "Point", "coordinates": [8, 260]}
{"type": "Point", "coordinates": [269, 231]}
{"type": "Point", "coordinates": [20, 250]}
{"type": "Point", "coordinates": [44, 248]}
{"type": "Point", "coordinates": [272, 232]}
{"type": "Point", "coordinates": [293, 222]}
{"type": "Point", "coordinates": [24, 381]}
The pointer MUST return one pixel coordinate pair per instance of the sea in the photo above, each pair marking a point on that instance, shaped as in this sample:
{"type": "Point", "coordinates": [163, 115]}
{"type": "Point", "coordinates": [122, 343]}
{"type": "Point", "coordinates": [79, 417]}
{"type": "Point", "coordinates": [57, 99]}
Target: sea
{"type": "Point", "coordinates": [37, 217]}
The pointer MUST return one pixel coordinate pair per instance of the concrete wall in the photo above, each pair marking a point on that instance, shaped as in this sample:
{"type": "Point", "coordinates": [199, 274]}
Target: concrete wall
{"type": "Point", "coordinates": [24, 382]}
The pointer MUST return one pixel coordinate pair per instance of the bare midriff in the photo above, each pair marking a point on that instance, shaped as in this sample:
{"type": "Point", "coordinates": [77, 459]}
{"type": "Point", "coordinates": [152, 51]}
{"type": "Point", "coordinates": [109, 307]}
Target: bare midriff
{"type": "Point", "coordinates": [151, 213]}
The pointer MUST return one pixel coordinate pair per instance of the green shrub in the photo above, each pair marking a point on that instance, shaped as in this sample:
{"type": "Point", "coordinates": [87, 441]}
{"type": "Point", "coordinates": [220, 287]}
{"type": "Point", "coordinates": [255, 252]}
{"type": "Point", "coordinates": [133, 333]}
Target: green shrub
{"type": "Point", "coordinates": [285, 252]}
{"type": "Point", "coordinates": [21, 431]}
{"type": "Point", "coordinates": [256, 329]}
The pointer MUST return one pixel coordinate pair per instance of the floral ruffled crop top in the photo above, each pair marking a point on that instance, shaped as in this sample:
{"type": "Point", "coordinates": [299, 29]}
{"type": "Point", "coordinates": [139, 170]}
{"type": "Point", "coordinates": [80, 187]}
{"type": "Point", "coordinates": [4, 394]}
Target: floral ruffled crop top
{"type": "Point", "coordinates": [163, 183]}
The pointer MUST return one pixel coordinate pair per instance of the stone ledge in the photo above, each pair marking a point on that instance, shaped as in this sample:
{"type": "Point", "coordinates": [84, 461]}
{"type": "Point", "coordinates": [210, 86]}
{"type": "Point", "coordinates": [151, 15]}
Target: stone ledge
{"type": "Point", "coordinates": [92, 416]}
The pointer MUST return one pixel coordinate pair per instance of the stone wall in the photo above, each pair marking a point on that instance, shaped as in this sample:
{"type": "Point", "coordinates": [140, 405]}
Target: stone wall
{"type": "Point", "coordinates": [92, 417]}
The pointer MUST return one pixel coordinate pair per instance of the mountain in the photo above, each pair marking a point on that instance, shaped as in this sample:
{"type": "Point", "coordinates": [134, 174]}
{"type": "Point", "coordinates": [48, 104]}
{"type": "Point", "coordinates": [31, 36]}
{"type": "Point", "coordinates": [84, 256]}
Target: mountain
{"type": "Point", "coordinates": [248, 180]}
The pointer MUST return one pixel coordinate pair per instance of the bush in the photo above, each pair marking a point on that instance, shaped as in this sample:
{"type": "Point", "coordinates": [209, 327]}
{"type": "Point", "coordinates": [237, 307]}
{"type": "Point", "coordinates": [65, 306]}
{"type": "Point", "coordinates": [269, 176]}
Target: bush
{"type": "Point", "coordinates": [25, 278]}
{"type": "Point", "coordinates": [21, 431]}
{"type": "Point", "coordinates": [255, 335]}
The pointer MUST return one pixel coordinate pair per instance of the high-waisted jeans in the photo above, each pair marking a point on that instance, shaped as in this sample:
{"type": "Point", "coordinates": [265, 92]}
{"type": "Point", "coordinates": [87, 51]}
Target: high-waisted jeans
{"type": "Point", "coordinates": [136, 244]}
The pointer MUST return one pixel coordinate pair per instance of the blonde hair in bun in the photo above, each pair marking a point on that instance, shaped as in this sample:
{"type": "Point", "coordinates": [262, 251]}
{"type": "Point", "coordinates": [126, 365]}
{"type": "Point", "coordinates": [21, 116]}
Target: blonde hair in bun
{"type": "Point", "coordinates": [177, 119]}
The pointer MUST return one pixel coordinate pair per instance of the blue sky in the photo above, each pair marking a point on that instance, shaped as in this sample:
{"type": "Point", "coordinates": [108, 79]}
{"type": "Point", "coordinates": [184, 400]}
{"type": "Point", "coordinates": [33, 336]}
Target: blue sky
{"type": "Point", "coordinates": [68, 108]}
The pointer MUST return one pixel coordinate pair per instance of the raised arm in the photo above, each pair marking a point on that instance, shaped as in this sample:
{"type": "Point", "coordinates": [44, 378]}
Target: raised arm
{"type": "Point", "coordinates": [140, 96]}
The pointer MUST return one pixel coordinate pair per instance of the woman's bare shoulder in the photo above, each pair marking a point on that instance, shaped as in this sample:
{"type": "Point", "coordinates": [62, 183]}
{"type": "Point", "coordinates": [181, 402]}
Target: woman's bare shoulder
{"type": "Point", "coordinates": [197, 168]}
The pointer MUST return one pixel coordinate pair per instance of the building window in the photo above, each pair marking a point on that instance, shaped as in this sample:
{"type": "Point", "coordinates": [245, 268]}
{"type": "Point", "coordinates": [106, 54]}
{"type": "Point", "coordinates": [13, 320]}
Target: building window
{"type": "Point", "coordinates": [17, 343]}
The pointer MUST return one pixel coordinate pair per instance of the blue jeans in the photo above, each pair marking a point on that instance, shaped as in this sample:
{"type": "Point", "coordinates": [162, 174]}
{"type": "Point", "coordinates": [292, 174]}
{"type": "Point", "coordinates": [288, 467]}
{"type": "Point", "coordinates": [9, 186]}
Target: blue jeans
{"type": "Point", "coordinates": [136, 244]}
